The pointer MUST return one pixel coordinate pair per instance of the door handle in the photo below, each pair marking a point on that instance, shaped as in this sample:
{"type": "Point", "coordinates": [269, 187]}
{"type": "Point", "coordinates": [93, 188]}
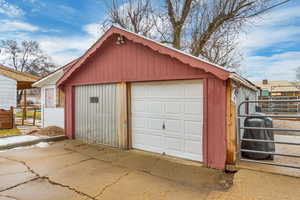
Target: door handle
{"type": "Point", "coordinates": [163, 126]}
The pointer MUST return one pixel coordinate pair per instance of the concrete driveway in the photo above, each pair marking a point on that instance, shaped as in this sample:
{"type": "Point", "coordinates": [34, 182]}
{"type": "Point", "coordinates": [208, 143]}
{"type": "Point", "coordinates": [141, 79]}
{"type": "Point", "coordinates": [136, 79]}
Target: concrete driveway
{"type": "Point", "coordinates": [70, 170]}
{"type": "Point", "coordinates": [73, 170]}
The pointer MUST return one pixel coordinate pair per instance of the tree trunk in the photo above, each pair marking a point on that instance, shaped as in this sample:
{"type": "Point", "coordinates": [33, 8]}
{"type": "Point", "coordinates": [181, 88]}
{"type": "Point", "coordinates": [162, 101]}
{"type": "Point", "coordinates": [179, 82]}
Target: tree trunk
{"type": "Point", "coordinates": [19, 96]}
{"type": "Point", "coordinates": [177, 37]}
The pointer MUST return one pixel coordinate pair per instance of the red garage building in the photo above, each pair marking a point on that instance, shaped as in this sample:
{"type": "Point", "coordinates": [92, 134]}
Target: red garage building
{"type": "Point", "coordinates": [129, 92]}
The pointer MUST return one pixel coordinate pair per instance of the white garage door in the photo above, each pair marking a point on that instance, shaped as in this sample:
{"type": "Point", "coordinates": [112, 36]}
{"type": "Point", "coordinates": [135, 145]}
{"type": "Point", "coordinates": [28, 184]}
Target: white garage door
{"type": "Point", "coordinates": [167, 117]}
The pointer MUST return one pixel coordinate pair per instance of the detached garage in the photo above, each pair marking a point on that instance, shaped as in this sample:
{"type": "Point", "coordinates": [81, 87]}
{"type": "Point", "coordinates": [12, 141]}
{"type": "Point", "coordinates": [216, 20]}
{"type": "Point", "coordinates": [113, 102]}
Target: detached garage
{"type": "Point", "coordinates": [129, 92]}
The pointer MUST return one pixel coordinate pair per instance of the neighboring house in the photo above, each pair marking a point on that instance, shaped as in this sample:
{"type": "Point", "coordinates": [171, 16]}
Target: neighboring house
{"type": "Point", "coordinates": [279, 88]}
{"type": "Point", "coordinates": [33, 97]}
{"type": "Point", "coordinates": [52, 99]}
{"type": "Point", "coordinates": [8, 92]}
{"type": "Point", "coordinates": [128, 91]}
{"type": "Point", "coordinates": [11, 81]}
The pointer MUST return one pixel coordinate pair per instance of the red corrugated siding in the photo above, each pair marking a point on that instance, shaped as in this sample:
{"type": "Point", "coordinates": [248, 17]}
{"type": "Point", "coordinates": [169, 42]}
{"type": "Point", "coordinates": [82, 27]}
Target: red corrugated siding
{"type": "Point", "coordinates": [131, 62]}
{"type": "Point", "coordinates": [134, 62]}
{"type": "Point", "coordinates": [216, 120]}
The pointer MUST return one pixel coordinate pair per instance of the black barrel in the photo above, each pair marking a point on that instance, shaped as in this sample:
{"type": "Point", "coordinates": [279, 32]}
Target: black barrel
{"type": "Point", "coordinates": [260, 122]}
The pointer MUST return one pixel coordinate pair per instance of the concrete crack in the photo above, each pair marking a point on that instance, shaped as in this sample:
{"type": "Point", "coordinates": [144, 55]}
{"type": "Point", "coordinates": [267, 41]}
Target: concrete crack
{"type": "Point", "coordinates": [67, 186]}
{"type": "Point", "coordinates": [33, 179]}
{"type": "Point", "coordinates": [44, 178]}
{"type": "Point", "coordinates": [81, 161]}
{"type": "Point", "coordinates": [111, 184]}
{"type": "Point", "coordinates": [8, 196]}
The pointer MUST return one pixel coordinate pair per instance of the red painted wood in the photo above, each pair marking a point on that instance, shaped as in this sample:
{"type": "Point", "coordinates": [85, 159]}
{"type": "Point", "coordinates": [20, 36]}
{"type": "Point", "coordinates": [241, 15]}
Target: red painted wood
{"type": "Point", "coordinates": [184, 58]}
{"type": "Point", "coordinates": [216, 123]}
{"type": "Point", "coordinates": [133, 62]}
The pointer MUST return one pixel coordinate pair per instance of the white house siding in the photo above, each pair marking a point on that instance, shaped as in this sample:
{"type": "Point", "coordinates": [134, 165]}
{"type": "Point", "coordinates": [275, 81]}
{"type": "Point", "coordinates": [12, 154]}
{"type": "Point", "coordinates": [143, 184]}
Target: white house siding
{"type": "Point", "coordinates": [53, 116]}
{"type": "Point", "coordinates": [8, 92]}
{"type": "Point", "coordinates": [243, 93]}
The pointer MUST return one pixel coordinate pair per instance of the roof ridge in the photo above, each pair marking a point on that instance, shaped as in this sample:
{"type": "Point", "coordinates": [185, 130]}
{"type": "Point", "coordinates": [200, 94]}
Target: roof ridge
{"type": "Point", "coordinates": [18, 72]}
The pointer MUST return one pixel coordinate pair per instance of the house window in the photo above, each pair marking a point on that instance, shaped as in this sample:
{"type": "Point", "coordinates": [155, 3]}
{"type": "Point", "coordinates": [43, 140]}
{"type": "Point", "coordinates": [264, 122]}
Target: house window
{"type": "Point", "coordinates": [60, 98]}
{"type": "Point", "coordinates": [49, 98]}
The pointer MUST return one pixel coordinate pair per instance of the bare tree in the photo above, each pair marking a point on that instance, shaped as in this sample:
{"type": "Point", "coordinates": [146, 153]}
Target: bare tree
{"type": "Point", "coordinates": [134, 15]}
{"type": "Point", "coordinates": [204, 28]}
{"type": "Point", "coordinates": [26, 57]}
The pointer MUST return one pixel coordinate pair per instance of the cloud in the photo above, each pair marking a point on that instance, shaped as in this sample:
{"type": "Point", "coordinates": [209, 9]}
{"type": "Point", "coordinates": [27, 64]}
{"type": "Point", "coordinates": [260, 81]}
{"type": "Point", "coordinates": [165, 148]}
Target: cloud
{"type": "Point", "coordinates": [93, 29]}
{"type": "Point", "coordinates": [280, 66]}
{"type": "Point", "coordinates": [10, 10]}
{"type": "Point", "coordinates": [271, 47]}
{"type": "Point", "coordinates": [62, 49]}
{"type": "Point", "coordinates": [14, 25]}
{"type": "Point", "coordinates": [66, 48]}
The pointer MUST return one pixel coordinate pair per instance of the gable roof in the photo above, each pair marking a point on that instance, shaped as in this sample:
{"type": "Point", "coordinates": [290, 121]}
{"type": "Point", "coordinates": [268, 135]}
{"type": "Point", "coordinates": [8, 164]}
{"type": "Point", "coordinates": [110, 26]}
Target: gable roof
{"type": "Point", "coordinates": [54, 75]}
{"type": "Point", "coordinates": [193, 61]}
{"type": "Point", "coordinates": [17, 75]}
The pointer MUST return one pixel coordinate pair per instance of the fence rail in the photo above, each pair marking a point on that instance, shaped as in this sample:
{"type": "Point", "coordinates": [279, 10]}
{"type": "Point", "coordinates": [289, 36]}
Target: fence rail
{"type": "Point", "coordinates": [274, 104]}
{"type": "Point", "coordinates": [241, 128]}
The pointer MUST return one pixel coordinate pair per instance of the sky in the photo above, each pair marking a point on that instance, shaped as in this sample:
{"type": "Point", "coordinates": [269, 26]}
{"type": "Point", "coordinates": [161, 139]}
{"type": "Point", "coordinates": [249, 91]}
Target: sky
{"type": "Point", "coordinates": [65, 29]}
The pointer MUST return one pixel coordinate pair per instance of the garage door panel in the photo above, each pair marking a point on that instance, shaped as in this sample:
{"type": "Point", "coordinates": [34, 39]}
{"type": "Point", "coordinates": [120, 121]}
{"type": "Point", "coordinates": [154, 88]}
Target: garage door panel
{"type": "Point", "coordinates": [155, 107]}
{"type": "Point", "coordinates": [193, 91]}
{"type": "Point", "coordinates": [178, 105]}
{"type": "Point", "coordinates": [139, 122]}
{"type": "Point", "coordinates": [173, 125]}
{"type": "Point", "coordinates": [173, 144]}
{"type": "Point", "coordinates": [173, 108]}
{"type": "Point", "coordinates": [155, 124]}
{"type": "Point", "coordinates": [193, 108]}
{"type": "Point", "coordinates": [192, 128]}
{"type": "Point", "coordinates": [149, 142]}
{"type": "Point", "coordinates": [139, 106]}
{"type": "Point", "coordinates": [192, 147]}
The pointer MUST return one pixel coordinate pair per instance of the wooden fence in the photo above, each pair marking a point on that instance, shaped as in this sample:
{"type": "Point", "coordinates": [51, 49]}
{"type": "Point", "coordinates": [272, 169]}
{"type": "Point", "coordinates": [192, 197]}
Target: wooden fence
{"type": "Point", "coordinates": [7, 118]}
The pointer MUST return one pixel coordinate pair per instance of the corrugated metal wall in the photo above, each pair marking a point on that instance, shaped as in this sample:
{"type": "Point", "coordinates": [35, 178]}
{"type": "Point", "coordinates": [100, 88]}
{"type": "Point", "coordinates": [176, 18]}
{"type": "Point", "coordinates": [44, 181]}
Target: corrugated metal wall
{"type": "Point", "coordinates": [96, 122]}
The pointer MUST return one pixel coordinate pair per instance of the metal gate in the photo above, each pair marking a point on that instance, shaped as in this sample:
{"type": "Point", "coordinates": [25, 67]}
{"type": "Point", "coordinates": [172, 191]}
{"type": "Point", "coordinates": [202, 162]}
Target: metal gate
{"type": "Point", "coordinates": [95, 114]}
{"type": "Point", "coordinates": [240, 131]}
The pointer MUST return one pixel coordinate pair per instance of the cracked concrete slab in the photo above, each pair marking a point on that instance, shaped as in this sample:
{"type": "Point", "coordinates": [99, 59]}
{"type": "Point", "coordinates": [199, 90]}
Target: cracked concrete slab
{"type": "Point", "coordinates": [47, 165]}
{"type": "Point", "coordinates": [8, 167]}
{"type": "Point", "coordinates": [139, 185]}
{"type": "Point", "coordinates": [42, 190]}
{"type": "Point", "coordinates": [141, 161]}
{"type": "Point", "coordinates": [89, 177]}
{"type": "Point", "coordinates": [33, 153]}
{"type": "Point", "coordinates": [96, 172]}
{"type": "Point", "coordinates": [13, 179]}
{"type": "Point", "coordinates": [190, 173]}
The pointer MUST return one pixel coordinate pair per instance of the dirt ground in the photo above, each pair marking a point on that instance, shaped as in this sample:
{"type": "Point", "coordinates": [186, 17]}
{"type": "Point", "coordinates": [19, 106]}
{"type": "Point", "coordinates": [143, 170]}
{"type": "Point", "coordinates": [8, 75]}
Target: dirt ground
{"type": "Point", "coordinates": [280, 136]}
{"type": "Point", "coordinates": [286, 124]}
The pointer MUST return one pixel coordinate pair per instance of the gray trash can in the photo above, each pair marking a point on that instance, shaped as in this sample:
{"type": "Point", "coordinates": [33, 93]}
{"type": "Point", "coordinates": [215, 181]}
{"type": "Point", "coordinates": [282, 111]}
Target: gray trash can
{"type": "Point", "coordinates": [264, 122]}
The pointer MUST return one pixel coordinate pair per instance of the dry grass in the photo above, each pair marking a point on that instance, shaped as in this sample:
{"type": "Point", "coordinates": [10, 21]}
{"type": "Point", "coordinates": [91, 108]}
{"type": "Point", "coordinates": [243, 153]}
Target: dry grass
{"type": "Point", "coordinates": [8, 132]}
{"type": "Point", "coordinates": [29, 115]}
{"type": "Point", "coordinates": [51, 131]}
